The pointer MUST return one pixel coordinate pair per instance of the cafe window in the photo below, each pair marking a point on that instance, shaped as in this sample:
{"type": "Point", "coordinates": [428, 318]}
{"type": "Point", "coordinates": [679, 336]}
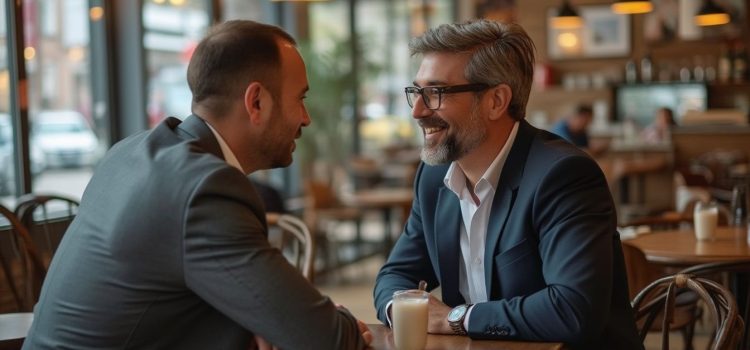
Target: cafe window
{"type": "Point", "coordinates": [172, 30]}
{"type": "Point", "coordinates": [63, 144]}
{"type": "Point", "coordinates": [7, 142]}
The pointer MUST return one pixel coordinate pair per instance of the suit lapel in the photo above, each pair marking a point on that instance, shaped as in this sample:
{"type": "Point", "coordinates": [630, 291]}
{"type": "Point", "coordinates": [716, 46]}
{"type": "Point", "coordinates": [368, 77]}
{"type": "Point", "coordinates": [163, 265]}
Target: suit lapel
{"type": "Point", "coordinates": [505, 196]}
{"type": "Point", "coordinates": [447, 221]}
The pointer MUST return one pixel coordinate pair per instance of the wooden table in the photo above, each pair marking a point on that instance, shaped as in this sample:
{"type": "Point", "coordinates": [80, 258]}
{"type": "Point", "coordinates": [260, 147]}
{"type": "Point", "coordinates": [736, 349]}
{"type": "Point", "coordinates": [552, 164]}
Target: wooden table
{"type": "Point", "coordinates": [383, 340]}
{"type": "Point", "coordinates": [13, 329]}
{"type": "Point", "coordinates": [385, 199]}
{"type": "Point", "coordinates": [680, 248]}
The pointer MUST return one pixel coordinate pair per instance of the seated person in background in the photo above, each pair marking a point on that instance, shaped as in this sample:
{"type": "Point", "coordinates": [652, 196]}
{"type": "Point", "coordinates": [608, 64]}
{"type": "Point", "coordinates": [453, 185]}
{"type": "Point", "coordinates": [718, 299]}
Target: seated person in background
{"type": "Point", "coordinates": [169, 249]}
{"type": "Point", "coordinates": [516, 225]}
{"type": "Point", "coordinates": [660, 130]}
{"type": "Point", "coordinates": [574, 128]}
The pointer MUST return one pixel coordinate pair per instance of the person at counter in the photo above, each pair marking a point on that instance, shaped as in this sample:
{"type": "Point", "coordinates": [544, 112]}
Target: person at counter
{"type": "Point", "coordinates": [659, 131]}
{"type": "Point", "coordinates": [517, 226]}
{"type": "Point", "coordinates": [169, 248]}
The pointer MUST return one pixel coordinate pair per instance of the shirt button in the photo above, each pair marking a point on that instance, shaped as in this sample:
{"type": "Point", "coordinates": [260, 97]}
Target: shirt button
{"type": "Point", "coordinates": [478, 261]}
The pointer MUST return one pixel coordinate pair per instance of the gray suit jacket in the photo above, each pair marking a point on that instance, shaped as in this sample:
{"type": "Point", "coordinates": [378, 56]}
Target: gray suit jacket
{"type": "Point", "coordinates": [169, 251]}
{"type": "Point", "coordinates": [553, 263]}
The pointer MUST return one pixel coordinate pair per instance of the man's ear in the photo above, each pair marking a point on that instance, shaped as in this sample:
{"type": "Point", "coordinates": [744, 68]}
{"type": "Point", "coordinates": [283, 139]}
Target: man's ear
{"type": "Point", "coordinates": [500, 100]}
{"type": "Point", "coordinates": [258, 102]}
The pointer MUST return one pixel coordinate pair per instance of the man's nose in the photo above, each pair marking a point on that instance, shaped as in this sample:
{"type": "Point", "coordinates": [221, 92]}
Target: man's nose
{"type": "Point", "coordinates": [420, 109]}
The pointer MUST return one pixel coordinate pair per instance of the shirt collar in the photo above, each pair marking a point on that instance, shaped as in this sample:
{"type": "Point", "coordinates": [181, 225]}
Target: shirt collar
{"type": "Point", "coordinates": [229, 156]}
{"type": "Point", "coordinates": [455, 179]}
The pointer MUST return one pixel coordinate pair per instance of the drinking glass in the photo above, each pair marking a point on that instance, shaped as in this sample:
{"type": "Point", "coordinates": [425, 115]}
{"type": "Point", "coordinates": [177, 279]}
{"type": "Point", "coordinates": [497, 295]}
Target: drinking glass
{"type": "Point", "coordinates": [705, 220]}
{"type": "Point", "coordinates": [409, 311]}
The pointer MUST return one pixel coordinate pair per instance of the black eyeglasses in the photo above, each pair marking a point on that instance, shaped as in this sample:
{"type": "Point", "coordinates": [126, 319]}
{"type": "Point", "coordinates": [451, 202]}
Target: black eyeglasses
{"type": "Point", "coordinates": [432, 96]}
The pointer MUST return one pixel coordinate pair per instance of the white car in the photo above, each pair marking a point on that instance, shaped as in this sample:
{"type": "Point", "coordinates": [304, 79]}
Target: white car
{"type": "Point", "coordinates": [7, 168]}
{"type": "Point", "coordinates": [65, 139]}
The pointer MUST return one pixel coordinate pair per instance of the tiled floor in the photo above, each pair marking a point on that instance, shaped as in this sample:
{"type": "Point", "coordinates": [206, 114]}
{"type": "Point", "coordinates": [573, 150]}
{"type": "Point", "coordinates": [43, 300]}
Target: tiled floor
{"type": "Point", "coordinates": [353, 285]}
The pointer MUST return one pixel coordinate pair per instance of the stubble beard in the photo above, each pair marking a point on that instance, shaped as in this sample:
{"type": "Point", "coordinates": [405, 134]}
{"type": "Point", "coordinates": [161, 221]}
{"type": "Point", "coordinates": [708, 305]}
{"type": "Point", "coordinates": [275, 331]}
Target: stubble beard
{"type": "Point", "coordinates": [455, 146]}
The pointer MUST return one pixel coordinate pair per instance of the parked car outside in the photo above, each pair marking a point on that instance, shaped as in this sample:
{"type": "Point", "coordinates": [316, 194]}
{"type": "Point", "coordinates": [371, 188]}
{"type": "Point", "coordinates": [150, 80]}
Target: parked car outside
{"type": "Point", "coordinates": [6, 155]}
{"type": "Point", "coordinates": [7, 149]}
{"type": "Point", "coordinates": [65, 139]}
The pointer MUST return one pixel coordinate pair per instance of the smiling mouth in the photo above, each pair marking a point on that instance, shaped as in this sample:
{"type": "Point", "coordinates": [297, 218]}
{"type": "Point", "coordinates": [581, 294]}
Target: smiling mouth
{"type": "Point", "coordinates": [433, 129]}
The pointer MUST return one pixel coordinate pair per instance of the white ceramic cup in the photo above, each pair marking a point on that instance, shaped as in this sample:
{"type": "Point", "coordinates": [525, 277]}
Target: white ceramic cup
{"type": "Point", "coordinates": [409, 317]}
{"type": "Point", "coordinates": [705, 220]}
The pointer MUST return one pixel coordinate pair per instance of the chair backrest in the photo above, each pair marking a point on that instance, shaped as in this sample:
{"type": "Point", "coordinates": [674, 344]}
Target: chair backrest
{"type": "Point", "coordinates": [20, 274]}
{"type": "Point", "coordinates": [47, 217]}
{"type": "Point", "coordinates": [640, 273]}
{"type": "Point", "coordinates": [301, 250]}
{"type": "Point", "coordinates": [658, 298]}
{"type": "Point", "coordinates": [739, 270]}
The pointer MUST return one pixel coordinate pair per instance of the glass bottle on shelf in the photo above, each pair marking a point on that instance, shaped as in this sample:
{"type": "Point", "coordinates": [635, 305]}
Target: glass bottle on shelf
{"type": "Point", "coordinates": [739, 205]}
{"type": "Point", "coordinates": [685, 71]}
{"type": "Point", "coordinates": [631, 76]}
{"type": "Point", "coordinates": [710, 69]}
{"type": "Point", "coordinates": [699, 73]}
{"type": "Point", "coordinates": [739, 64]}
{"type": "Point", "coordinates": [725, 66]}
{"type": "Point", "coordinates": [646, 70]}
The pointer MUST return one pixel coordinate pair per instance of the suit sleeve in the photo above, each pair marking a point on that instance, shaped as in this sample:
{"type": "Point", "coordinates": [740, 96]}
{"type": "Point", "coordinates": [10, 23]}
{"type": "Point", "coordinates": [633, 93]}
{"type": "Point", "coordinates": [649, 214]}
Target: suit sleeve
{"type": "Point", "coordinates": [574, 217]}
{"type": "Point", "coordinates": [229, 263]}
{"type": "Point", "coordinates": [408, 262]}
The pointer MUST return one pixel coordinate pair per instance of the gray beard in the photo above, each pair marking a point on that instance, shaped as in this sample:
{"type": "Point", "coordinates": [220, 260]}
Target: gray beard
{"type": "Point", "coordinates": [452, 149]}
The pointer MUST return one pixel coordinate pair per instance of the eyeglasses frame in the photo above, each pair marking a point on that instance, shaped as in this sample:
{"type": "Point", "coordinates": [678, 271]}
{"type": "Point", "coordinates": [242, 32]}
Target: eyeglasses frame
{"type": "Point", "coordinates": [441, 90]}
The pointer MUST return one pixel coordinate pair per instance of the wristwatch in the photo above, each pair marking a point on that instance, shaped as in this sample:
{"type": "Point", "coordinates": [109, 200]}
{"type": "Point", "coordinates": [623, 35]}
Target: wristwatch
{"type": "Point", "coordinates": [456, 318]}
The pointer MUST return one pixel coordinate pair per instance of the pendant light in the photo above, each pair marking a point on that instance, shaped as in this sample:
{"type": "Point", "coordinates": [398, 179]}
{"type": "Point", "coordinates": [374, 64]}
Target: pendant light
{"type": "Point", "coordinates": [711, 14]}
{"type": "Point", "coordinates": [567, 17]}
{"type": "Point", "coordinates": [629, 7]}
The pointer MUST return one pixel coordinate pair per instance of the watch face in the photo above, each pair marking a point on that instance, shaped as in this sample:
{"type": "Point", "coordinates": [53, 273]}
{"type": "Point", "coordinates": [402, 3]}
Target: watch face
{"type": "Point", "coordinates": [457, 313]}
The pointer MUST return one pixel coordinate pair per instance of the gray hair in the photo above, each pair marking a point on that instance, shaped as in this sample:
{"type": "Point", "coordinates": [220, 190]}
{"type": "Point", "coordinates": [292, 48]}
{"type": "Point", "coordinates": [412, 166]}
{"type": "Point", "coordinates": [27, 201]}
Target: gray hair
{"type": "Point", "coordinates": [500, 54]}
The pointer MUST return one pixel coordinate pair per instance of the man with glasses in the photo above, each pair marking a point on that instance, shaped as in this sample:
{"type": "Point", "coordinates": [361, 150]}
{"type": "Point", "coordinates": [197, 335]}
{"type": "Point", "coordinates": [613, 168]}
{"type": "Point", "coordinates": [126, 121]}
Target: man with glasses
{"type": "Point", "coordinates": [515, 225]}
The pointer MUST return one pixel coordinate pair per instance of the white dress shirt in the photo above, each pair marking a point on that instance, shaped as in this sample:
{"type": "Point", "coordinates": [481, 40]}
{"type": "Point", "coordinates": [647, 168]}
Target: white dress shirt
{"type": "Point", "coordinates": [229, 156]}
{"type": "Point", "coordinates": [476, 217]}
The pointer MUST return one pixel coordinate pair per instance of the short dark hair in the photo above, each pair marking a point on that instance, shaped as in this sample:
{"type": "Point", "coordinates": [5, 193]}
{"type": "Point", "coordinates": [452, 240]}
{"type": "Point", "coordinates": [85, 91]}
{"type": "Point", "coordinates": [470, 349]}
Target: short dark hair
{"type": "Point", "coordinates": [232, 55]}
{"type": "Point", "coordinates": [584, 109]}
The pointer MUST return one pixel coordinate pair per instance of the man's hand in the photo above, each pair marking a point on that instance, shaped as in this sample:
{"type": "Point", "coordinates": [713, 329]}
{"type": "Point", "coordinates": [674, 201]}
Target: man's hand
{"type": "Point", "coordinates": [365, 331]}
{"type": "Point", "coordinates": [263, 344]}
{"type": "Point", "coordinates": [437, 322]}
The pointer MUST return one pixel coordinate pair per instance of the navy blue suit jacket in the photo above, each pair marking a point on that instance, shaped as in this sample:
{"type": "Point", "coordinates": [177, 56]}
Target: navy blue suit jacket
{"type": "Point", "coordinates": [553, 261]}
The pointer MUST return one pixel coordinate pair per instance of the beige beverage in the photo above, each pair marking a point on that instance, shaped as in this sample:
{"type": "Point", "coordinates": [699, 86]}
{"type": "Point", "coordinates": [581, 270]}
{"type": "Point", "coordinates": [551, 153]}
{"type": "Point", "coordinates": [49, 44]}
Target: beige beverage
{"type": "Point", "coordinates": [409, 312]}
{"type": "Point", "coordinates": [706, 217]}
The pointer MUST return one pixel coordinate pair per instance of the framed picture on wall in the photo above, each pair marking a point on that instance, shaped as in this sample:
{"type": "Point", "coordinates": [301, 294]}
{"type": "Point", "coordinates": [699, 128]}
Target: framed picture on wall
{"type": "Point", "coordinates": [603, 34]}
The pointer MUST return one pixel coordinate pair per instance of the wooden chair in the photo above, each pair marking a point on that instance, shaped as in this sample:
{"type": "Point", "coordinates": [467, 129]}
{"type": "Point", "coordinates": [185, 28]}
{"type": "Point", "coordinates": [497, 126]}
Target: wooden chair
{"type": "Point", "coordinates": [657, 301]}
{"type": "Point", "coordinates": [301, 250]}
{"type": "Point", "coordinates": [21, 275]}
{"type": "Point", "coordinates": [47, 217]}
{"type": "Point", "coordinates": [323, 213]}
{"type": "Point", "coordinates": [737, 275]}
{"type": "Point", "coordinates": [640, 274]}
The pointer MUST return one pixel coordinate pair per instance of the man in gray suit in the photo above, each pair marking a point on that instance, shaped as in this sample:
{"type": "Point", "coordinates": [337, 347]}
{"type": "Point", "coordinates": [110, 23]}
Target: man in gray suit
{"type": "Point", "coordinates": [169, 248]}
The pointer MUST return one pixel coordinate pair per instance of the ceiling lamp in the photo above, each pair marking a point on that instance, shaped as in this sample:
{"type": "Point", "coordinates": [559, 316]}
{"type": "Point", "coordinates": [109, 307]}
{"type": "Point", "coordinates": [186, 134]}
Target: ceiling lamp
{"type": "Point", "coordinates": [711, 14]}
{"type": "Point", "coordinates": [629, 7]}
{"type": "Point", "coordinates": [567, 17]}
